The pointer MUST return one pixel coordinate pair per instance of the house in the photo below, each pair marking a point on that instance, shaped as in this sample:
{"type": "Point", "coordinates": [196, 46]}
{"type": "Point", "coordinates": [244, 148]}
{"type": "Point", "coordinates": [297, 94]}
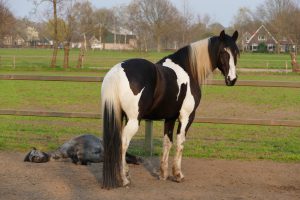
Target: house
{"type": "Point", "coordinates": [10, 41]}
{"type": "Point", "coordinates": [95, 43]}
{"type": "Point", "coordinates": [115, 40]}
{"type": "Point", "coordinates": [287, 45]}
{"type": "Point", "coordinates": [263, 41]}
{"type": "Point", "coordinates": [32, 36]}
{"type": "Point", "coordinates": [261, 37]}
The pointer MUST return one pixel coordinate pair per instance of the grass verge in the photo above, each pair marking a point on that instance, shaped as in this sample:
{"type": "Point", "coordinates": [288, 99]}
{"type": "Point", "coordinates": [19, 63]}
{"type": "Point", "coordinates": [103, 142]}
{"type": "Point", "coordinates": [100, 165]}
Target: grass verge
{"type": "Point", "coordinates": [203, 140]}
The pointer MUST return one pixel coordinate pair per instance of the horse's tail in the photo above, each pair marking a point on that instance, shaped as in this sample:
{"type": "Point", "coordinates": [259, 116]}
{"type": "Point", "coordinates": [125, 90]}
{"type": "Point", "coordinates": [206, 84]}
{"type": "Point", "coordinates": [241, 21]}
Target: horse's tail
{"type": "Point", "coordinates": [112, 125]}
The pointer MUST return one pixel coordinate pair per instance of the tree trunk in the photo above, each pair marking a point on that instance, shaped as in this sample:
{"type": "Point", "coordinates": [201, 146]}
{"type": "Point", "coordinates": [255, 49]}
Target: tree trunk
{"type": "Point", "coordinates": [158, 43]}
{"type": "Point", "coordinates": [66, 54]}
{"type": "Point", "coordinates": [55, 45]}
{"type": "Point", "coordinates": [80, 56]}
{"type": "Point", "coordinates": [81, 52]}
{"type": "Point", "coordinates": [54, 55]}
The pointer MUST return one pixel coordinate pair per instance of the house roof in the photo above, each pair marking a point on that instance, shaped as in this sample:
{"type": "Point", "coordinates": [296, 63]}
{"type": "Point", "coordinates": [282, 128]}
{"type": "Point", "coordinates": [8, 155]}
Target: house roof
{"type": "Point", "coordinates": [258, 30]}
{"type": "Point", "coordinates": [286, 41]}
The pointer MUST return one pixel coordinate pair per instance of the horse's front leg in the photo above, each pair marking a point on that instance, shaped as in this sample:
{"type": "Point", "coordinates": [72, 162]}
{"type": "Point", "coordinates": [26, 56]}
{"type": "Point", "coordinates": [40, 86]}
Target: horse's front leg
{"type": "Point", "coordinates": [167, 144]}
{"type": "Point", "coordinates": [184, 124]}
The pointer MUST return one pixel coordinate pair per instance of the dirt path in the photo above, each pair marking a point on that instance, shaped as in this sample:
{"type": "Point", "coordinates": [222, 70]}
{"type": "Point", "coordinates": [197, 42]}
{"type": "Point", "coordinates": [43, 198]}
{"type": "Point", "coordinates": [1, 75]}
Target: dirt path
{"type": "Point", "coordinates": [205, 179]}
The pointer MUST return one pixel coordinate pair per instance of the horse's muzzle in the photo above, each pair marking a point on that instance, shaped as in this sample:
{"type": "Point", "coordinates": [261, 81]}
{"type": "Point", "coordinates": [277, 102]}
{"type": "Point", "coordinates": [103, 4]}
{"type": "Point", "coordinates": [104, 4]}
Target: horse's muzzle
{"type": "Point", "coordinates": [230, 82]}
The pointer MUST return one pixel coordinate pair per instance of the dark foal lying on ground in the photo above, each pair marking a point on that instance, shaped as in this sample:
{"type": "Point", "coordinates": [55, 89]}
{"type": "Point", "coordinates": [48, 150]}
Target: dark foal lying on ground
{"type": "Point", "coordinates": [83, 149]}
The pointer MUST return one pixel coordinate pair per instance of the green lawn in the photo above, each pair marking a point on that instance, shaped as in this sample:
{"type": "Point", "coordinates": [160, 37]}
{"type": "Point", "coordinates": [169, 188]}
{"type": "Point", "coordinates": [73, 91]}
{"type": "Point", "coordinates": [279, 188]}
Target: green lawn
{"type": "Point", "coordinates": [203, 140]}
{"type": "Point", "coordinates": [219, 101]}
{"type": "Point", "coordinates": [37, 59]}
{"type": "Point", "coordinates": [264, 60]}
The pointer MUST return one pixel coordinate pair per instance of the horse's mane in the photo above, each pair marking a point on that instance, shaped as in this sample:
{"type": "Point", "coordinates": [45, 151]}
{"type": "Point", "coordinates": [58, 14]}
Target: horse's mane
{"type": "Point", "coordinates": [200, 61]}
{"type": "Point", "coordinates": [194, 58]}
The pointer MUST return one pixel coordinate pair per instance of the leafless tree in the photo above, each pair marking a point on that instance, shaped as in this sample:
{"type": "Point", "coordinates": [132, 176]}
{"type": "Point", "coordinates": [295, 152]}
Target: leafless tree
{"type": "Point", "coordinates": [155, 16]}
{"type": "Point", "coordinates": [53, 4]}
{"type": "Point", "coordinates": [69, 28]}
{"type": "Point", "coordinates": [103, 19]}
{"type": "Point", "coordinates": [83, 13]}
{"type": "Point", "coordinates": [7, 20]}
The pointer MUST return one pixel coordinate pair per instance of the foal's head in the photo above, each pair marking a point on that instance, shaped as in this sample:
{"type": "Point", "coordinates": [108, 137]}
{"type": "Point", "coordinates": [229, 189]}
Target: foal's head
{"type": "Point", "coordinates": [36, 156]}
{"type": "Point", "coordinates": [226, 60]}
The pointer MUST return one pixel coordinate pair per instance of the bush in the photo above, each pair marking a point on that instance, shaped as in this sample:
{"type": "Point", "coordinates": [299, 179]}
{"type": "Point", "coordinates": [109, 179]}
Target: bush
{"type": "Point", "coordinates": [262, 48]}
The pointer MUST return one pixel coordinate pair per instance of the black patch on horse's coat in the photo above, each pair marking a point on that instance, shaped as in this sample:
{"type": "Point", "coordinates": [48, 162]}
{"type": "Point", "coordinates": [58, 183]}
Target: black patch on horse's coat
{"type": "Point", "coordinates": [136, 70]}
{"type": "Point", "coordinates": [169, 127]}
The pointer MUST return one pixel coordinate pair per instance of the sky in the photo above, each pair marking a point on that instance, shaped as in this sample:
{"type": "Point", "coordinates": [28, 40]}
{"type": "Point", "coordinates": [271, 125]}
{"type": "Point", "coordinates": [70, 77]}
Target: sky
{"type": "Point", "coordinates": [221, 11]}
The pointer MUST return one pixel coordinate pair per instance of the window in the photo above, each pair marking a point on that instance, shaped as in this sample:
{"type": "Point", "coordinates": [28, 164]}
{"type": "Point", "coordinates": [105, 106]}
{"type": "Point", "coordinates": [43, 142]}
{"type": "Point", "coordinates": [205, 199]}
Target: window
{"type": "Point", "coordinates": [254, 47]}
{"type": "Point", "coordinates": [271, 47]}
{"type": "Point", "coordinates": [261, 38]}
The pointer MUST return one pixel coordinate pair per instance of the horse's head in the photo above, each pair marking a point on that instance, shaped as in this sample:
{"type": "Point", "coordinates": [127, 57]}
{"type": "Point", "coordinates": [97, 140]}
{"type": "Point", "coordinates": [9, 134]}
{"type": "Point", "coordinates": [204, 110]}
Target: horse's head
{"type": "Point", "coordinates": [227, 54]}
{"type": "Point", "coordinates": [36, 156]}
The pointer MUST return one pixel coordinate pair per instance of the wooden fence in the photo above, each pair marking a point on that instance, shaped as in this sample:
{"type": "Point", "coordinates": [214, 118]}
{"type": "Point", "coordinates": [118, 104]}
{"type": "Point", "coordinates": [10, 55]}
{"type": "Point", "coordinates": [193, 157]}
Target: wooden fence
{"type": "Point", "coordinates": [99, 79]}
{"type": "Point", "coordinates": [149, 124]}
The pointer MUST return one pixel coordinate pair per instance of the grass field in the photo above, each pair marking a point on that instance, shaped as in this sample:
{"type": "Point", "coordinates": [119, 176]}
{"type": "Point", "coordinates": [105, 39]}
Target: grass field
{"type": "Point", "coordinates": [204, 140]}
{"type": "Point", "coordinates": [249, 102]}
{"type": "Point", "coordinates": [36, 59]}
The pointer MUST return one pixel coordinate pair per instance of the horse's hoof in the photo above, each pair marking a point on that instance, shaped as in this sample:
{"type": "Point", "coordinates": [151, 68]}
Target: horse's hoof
{"type": "Point", "coordinates": [126, 183]}
{"type": "Point", "coordinates": [163, 178]}
{"type": "Point", "coordinates": [178, 178]}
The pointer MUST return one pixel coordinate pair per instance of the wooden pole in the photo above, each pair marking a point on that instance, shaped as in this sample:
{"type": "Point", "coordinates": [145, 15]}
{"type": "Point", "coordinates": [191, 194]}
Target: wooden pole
{"type": "Point", "coordinates": [14, 62]}
{"type": "Point", "coordinates": [149, 137]}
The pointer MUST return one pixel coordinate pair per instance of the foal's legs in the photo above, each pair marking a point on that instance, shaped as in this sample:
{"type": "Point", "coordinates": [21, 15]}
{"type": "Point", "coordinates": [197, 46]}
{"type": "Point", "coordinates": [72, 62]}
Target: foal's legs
{"type": "Point", "coordinates": [128, 132]}
{"type": "Point", "coordinates": [167, 144]}
{"type": "Point", "coordinates": [185, 122]}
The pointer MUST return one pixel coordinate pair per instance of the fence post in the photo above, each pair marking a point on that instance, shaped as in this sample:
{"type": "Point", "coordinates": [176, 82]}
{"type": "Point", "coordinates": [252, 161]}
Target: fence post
{"type": "Point", "coordinates": [149, 137]}
{"type": "Point", "coordinates": [14, 62]}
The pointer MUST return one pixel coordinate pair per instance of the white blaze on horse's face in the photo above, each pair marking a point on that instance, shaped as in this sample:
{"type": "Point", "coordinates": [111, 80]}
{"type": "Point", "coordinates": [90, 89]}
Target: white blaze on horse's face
{"type": "Point", "coordinates": [232, 68]}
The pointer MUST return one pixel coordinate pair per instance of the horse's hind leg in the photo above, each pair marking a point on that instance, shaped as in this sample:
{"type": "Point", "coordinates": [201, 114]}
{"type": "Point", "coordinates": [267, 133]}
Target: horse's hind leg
{"type": "Point", "coordinates": [128, 132]}
{"type": "Point", "coordinates": [167, 144]}
{"type": "Point", "coordinates": [184, 124]}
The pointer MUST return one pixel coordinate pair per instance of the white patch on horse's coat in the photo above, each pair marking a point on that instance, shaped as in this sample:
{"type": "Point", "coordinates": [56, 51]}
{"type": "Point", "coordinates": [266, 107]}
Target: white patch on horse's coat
{"type": "Point", "coordinates": [182, 76]}
{"type": "Point", "coordinates": [232, 68]}
{"type": "Point", "coordinates": [129, 101]}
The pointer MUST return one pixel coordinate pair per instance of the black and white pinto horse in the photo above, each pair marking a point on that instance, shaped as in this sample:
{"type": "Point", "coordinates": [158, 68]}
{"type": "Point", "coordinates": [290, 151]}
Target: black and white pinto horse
{"type": "Point", "coordinates": [170, 89]}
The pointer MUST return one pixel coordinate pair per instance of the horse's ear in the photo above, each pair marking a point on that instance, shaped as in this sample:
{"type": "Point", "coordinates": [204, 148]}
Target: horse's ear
{"type": "Point", "coordinates": [235, 35]}
{"type": "Point", "coordinates": [222, 35]}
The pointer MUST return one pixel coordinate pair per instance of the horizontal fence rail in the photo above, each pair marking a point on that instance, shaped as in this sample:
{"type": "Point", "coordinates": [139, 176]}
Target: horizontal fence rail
{"type": "Point", "coordinates": [262, 122]}
{"type": "Point", "coordinates": [99, 79]}
{"type": "Point", "coordinates": [149, 124]}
